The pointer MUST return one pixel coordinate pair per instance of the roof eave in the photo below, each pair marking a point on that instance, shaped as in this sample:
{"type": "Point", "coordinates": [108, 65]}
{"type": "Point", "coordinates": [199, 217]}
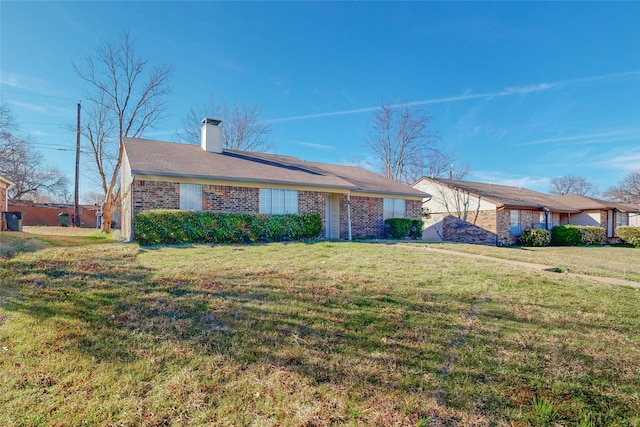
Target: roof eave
{"type": "Point", "coordinates": [10, 183]}
{"type": "Point", "coordinates": [238, 179]}
{"type": "Point", "coordinates": [420, 194]}
{"type": "Point", "coordinates": [539, 208]}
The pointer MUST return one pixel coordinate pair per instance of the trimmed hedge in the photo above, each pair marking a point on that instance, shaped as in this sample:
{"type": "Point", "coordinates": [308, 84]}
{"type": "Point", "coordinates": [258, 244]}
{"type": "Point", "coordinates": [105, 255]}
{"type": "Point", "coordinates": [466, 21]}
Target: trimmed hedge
{"type": "Point", "coordinates": [630, 235]}
{"type": "Point", "coordinates": [577, 235]}
{"type": "Point", "coordinates": [169, 226]}
{"type": "Point", "coordinates": [399, 228]}
{"type": "Point", "coordinates": [535, 237]}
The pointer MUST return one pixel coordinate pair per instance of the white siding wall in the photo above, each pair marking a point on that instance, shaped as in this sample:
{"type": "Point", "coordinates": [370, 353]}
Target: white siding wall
{"type": "Point", "coordinates": [586, 218]}
{"type": "Point", "coordinates": [443, 202]}
{"type": "Point", "coordinates": [446, 200]}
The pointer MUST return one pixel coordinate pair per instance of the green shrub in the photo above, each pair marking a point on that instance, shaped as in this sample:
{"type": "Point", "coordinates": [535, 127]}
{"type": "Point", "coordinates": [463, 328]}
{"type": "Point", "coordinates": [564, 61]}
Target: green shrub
{"type": "Point", "coordinates": [630, 235]}
{"type": "Point", "coordinates": [577, 235]}
{"type": "Point", "coordinates": [535, 237]}
{"type": "Point", "coordinates": [416, 229]}
{"type": "Point", "coordinates": [399, 228]}
{"type": "Point", "coordinates": [169, 226]}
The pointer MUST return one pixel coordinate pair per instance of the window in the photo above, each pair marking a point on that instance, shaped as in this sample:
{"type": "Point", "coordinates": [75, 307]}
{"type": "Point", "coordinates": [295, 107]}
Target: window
{"type": "Point", "coordinates": [278, 202]}
{"type": "Point", "coordinates": [546, 220]}
{"type": "Point", "coordinates": [542, 222]}
{"type": "Point", "coordinates": [191, 197]}
{"type": "Point", "coordinates": [394, 208]}
{"type": "Point", "coordinates": [622, 219]}
{"type": "Point", "coordinates": [514, 223]}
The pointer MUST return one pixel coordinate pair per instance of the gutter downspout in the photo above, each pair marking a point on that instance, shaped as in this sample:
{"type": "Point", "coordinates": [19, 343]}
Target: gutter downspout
{"type": "Point", "coordinates": [130, 238]}
{"type": "Point", "coordinates": [349, 216]}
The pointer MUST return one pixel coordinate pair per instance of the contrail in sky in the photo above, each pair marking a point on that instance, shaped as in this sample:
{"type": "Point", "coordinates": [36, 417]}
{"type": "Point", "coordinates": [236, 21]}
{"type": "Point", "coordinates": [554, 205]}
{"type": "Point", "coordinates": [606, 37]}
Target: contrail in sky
{"type": "Point", "coordinates": [521, 90]}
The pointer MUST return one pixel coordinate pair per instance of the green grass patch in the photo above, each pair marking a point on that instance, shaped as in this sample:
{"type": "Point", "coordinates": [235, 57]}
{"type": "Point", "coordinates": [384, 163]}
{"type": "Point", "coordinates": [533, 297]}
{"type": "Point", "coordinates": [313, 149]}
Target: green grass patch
{"type": "Point", "coordinates": [308, 334]}
{"type": "Point", "coordinates": [608, 261]}
{"type": "Point", "coordinates": [36, 238]}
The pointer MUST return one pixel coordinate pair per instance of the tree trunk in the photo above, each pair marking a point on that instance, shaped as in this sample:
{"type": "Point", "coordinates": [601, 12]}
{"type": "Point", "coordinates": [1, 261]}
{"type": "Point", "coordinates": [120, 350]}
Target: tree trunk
{"type": "Point", "coordinates": [107, 212]}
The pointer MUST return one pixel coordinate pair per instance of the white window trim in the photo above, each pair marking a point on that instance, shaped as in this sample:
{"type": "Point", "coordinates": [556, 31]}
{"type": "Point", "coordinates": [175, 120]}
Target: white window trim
{"type": "Point", "coordinates": [275, 201]}
{"type": "Point", "coordinates": [190, 197]}
{"type": "Point", "coordinates": [519, 222]}
{"type": "Point", "coordinates": [398, 209]}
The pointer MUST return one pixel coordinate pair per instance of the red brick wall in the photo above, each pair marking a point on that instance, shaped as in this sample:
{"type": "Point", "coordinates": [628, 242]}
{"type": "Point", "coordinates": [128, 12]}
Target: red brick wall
{"type": "Point", "coordinates": [528, 219]}
{"type": "Point", "coordinates": [414, 209]}
{"type": "Point", "coordinates": [314, 202]}
{"type": "Point", "coordinates": [366, 212]}
{"type": "Point", "coordinates": [223, 198]}
{"type": "Point", "coordinates": [366, 217]}
{"type": "Point", "coordinates": [148, 195]}
{"type": "Point", "coordinates": [481, 231]}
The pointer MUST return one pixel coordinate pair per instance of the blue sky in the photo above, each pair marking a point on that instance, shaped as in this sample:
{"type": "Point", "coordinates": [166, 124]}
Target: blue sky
{"type": "Point", "coordinates": [522, 91]}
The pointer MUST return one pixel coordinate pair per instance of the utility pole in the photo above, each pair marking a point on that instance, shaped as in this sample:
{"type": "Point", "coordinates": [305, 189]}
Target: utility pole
{"type": "Point", "coordinates": [77, 208]}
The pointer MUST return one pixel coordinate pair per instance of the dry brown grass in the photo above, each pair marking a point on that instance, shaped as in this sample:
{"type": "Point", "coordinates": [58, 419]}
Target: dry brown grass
{"type": "Point", "coordinates": [308, 334]}
{"type": "Point", "coordinates": [607, 261]}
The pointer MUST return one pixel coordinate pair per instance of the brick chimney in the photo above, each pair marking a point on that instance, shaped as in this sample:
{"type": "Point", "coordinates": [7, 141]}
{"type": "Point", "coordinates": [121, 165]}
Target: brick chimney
{"type": "Point", "coordinates": [211, 135]}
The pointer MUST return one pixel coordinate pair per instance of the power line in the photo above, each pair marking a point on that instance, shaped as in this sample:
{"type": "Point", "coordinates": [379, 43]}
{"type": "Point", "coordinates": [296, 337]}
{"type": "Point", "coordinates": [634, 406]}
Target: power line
{"type": "Point", "coordinates": [38, 94]}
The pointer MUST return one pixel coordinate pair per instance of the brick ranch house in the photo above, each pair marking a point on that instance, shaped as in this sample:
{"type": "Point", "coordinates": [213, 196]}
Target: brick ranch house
{"type": "Point", "coordinates": [5, 184]}
{"type": "Point", "coordinates": [602, 213]}
{"type": "Point", "coordinates": [474, 212]}
{"type": "Point", "coordinates": [351, 201]}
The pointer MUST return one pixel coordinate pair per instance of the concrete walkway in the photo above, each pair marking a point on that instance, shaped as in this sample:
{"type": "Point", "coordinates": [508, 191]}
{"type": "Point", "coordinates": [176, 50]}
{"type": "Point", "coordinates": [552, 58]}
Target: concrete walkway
{"type": "Point", "coordinates": [541, 267]}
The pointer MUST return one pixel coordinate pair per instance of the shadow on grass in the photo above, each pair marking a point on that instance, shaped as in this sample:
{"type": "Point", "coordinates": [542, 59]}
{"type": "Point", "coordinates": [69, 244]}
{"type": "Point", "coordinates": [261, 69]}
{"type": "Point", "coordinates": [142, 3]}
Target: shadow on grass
{"type": "Point", "coordinates": [336, 331]}
{"type": "Point", "coordinates": [104, 304]}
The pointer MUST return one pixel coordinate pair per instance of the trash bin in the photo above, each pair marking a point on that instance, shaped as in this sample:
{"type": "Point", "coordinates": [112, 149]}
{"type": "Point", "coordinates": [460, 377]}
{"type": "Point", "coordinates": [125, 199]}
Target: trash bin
{"type": "Point", "coordinates": [13, 220]}
{"type": "Point", "coordinates": [63, 219]}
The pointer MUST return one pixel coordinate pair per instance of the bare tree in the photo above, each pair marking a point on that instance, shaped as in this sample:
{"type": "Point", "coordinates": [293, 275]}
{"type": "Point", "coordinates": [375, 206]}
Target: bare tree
{"type": "Point", "coordinates": [627, 190]}
{"type": "Point", "coordinates": [404, 146]}
{"type": "Point", "coordinates": [24, 165]}
{"type": "Point", "coordinates": [572, 184]}
{"type": "Point", "coordinates": [242, 127]}
{"type": "Point", "coordinates": [93, 198]}
{"type": "Point", "coordinates": [124, 101]}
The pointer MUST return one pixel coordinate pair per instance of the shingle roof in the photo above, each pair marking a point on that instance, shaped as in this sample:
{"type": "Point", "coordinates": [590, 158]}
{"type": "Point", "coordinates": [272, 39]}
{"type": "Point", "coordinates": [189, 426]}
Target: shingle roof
{"type": "Point", "coordinates": [590, 203]}
{"type": "Point", "coordinates": [183, 160]}
{"type": "Point", "coordinates": [505, 195]}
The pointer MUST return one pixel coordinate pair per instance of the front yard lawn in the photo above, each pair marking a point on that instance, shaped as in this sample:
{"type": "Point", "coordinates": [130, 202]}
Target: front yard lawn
{"type": "Point", "coordinates": [309, 334]}
{"type": "Point", "coordinates": [619, 262]}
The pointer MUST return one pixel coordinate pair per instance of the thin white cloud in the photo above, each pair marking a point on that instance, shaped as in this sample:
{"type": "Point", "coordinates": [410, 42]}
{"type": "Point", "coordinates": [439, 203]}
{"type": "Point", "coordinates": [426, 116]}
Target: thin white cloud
{"type": "Point", "coordinates": [612, 76]}
{"type": "Point", "coordinates": [17, 81]}
{"type": "Point", "coordinates": [28, 106]}
{"type": "Point", "coordinates": [589, 138]}
{"type": "Point", "coordinates": [509, 91]}
{"type": "Point", "coordinates": [314, 145]}
{"type": "Point", "coordinates": [10, 81]}
{"type": "Point", "coordinates": [506, 92]}
{"type": "Point", "coordinates": [623, 158]}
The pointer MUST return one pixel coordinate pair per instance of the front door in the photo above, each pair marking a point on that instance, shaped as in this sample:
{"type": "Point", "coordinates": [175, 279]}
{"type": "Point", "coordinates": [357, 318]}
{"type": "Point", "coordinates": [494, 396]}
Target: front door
{"type": "Point", "coordinates": [332, 217]}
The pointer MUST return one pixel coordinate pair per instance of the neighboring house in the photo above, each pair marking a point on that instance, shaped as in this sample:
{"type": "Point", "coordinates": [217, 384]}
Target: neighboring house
{"type": "Point", "coordinates": [474, 212]}
{"type": "Point", "coordinates": [351, 201]}
{"type": "Point", "coordinates": [4, 199]}
{"type": "Point", "coordinates": [602, 213]}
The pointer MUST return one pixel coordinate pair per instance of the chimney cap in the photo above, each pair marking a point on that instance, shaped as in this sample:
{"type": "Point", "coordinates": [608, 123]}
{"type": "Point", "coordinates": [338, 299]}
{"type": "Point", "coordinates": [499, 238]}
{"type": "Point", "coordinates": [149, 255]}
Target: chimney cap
{"type": "Point", "coordinates": [209, 121]}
